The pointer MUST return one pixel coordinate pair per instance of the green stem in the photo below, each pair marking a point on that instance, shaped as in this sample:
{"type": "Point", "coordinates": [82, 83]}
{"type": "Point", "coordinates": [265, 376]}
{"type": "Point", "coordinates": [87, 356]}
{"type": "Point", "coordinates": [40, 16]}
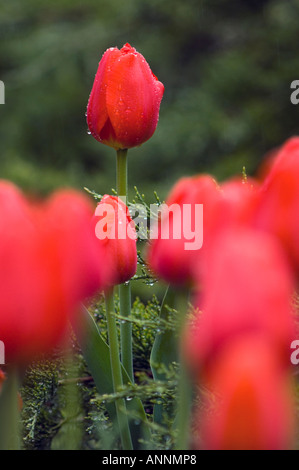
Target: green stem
{"type": "Point", "coordinates": [116, 373]}
{"type": "Point", "coordinates": [70, 433]}
{"type": "Point", "coordinates": [184, 386]}
{"type": "Point", "coordinates": [184, 408]}
{"type": "Point", "coordinates": [9, 412]}
{"type": "Point", "coordinates": [125, 289]}
{"type": "Point", "coordinates": [122, 173]}
{"type": "Point", "coordinates": [126, 330]}
{"type": "Point", "coordinates": [164, 353]}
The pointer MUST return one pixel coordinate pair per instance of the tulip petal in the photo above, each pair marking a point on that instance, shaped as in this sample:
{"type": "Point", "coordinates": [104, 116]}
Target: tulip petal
{"type": "Point", "coordinates": [97, 115]}
{"type": "Point", "coordinates": [133, 99]}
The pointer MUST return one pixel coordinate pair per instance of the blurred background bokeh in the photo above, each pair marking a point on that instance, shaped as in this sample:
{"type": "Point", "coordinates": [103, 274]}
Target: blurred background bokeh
{"type": "Point", "coordinates": [227, 66]}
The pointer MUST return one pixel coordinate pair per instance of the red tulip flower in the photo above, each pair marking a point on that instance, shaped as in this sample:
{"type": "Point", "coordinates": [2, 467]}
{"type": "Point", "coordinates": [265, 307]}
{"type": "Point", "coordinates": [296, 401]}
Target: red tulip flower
{"type": "Point", "coordinates": [67, 226]}
{"type": "Point", "coordinates": [175, 254]}
{"type": "Point", "coordinates": [253, 405]}
{"type": "Point", "coordinates": [48, 265]}
{"type": "Point", "coordinates": [116, 236]}
{"type": "Point", "coordinates": [229, 205]}
{"type": "Point", "coordinates": [123, 107]}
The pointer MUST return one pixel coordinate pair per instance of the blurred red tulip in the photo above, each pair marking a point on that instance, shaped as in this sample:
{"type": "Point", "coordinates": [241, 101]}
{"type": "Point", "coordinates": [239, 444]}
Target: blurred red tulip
{"type": "Point", "coordinates": [123, 108]}
{"type": "Point", "coordinates": [279, 205]}
{"type": "Point", "coordinates": [247, 288]}
{"type": "Point", "coordinates": [253, 405]}
{"type": "Point", "coordinates": [116, 236]}
{"type": "Point", "coordinates": [49, 264]}
{"type": "Point", "coordinates": [174, 254]}
{"type": "Point", "coordinates": [68, 216]}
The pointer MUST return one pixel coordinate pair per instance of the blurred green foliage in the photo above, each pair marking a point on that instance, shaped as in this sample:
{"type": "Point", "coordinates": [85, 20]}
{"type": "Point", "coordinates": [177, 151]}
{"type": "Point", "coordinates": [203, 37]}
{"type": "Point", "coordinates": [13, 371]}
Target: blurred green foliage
{"type": "Point", "coordinates": [227, 66]}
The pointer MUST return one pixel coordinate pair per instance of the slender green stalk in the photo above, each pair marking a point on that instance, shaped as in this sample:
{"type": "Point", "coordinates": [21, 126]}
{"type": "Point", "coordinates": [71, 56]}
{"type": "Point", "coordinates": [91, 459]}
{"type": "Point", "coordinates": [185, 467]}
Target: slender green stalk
{"type": "Point", "coordinates": [70, 433]}
{"type": "Point", "coordinates": [9, 412]}
{"type": "Point", "coordinates": [125, 289]}
{"type": "Point", "coordinates": [122, 173]}
{"type": "Point", "coordinates": [184, 386]}
{"type": "Point", "coordinates": [116, 373]}
{"type": "Point", "coordinates": [164, 353]}
{"type": "Point", "coordinates": [126, 330]}
{"type": "Point", "coordinates": [184, 408]}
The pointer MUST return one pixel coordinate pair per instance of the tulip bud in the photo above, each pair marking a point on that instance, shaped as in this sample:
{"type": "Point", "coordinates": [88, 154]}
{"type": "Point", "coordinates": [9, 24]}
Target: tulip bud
{"type": "Point", "coordinates": [116, 236]}
{"type": "Point", "coordinates": [182, 233]}
{"type": "Point", "coordinates": [49, 264]}
{"type": "Point", "coordinates": [68, 224]}
{"type": "Point", "coordinates": [123, 107]}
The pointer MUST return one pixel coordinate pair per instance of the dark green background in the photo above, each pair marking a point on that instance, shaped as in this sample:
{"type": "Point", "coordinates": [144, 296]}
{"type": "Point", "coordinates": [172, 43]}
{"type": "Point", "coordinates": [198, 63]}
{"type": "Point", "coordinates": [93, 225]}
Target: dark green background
{"type": "Point", "coordinates": [226, 65]}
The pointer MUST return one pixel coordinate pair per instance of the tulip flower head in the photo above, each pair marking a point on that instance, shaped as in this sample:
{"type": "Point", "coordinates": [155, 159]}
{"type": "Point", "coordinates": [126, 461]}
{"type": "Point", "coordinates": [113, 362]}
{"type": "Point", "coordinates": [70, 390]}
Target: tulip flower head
{"type": "Point", "coordinates": [49, 264]}
{"type": "Point", "coordinates": [116, 236]}
{"type": "Point", "coordinates": [123, 108]}
{"type": "Point", "coordinates": [175, 254]}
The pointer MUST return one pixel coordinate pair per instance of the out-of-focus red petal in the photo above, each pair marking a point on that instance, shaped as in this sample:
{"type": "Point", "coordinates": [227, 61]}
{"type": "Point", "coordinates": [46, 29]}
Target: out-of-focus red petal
{"type": "Point", "coordinates": [119, 243]}
{"type": "Point", "coordinates": [48, 265]}
{"type": "Point", "coordinates": [133, 99]}
{"type": "Point", "coordinates": [97, 115]}
{"type": "Point", "coordinates": [168, 256]}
